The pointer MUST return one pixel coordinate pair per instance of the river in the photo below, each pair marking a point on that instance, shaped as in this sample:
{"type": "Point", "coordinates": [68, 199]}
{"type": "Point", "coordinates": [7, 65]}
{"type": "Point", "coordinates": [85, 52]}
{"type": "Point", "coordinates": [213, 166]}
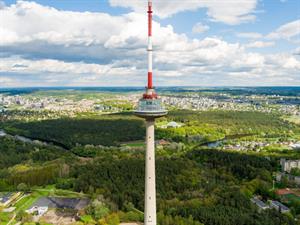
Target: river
{"type": "Point", "coordinates": [3, 133]}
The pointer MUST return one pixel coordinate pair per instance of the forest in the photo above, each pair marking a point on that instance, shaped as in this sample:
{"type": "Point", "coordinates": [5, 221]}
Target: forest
{"type": "Point", "coordinates": [112, 130]}
{"type": "Point", "coordinates": [104, 130]}
{"type": "Point", "coordinates": [198, 186]}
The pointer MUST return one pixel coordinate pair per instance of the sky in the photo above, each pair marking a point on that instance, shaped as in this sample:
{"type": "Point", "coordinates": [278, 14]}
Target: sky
{"type": "Point", "coordinates": [103, 43]}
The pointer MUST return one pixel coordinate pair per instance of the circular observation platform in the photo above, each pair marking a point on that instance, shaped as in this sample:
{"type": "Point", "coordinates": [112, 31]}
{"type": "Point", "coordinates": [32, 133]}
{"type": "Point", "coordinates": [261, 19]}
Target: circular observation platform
{"type": "Point", "coordinates": [150, 108]}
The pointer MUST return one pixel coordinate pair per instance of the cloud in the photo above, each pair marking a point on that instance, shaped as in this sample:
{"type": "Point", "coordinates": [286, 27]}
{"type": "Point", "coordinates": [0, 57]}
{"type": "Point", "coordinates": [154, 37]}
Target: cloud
{"type": "Point", "coordinates": [41, 45]}
{"type": "Point", "coordinates": [250, 35]}
{"type": "Point", "coordinates": [200, 28]}
{"type": "Point", "coordinates": [229, 12]}
{"type": "Point", "coordinates": [50, 66]}
{"type": "Point", "coordinates": [296, 51]}
{"type": "Point", "coordinates": [286, 31]}
{"type": "Point", "coordinates": [57, 72]}
{"type": "Point", "coordinates": [28, 21]}
{"type": "Point", "coordinates": [260, 44]}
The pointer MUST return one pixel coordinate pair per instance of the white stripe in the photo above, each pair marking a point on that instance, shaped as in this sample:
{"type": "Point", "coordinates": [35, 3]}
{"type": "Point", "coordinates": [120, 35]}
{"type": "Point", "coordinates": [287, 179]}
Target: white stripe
{"type": "Point", "coordinates": [150, 54]}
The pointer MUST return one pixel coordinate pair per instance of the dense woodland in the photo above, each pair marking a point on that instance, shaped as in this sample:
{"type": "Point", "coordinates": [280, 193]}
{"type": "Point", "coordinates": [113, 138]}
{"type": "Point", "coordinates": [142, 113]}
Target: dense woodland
{"type": "Point", "coordinates": [111, 130]}
{"type": "Point", "coordinates": [70, 132]}
{"type": "Point", "coordinates": [198, 186]}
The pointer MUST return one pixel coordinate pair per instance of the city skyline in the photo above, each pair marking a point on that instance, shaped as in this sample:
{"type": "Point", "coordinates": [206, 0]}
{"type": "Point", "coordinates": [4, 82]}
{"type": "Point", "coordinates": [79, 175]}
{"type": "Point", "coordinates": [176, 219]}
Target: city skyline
{"type": "Point", "coordinates": [198, 43]}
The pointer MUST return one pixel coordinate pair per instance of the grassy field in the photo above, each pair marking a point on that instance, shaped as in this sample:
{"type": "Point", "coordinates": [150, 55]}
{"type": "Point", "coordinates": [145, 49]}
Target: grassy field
{"type": "Point", "coordinates": [134, 143]}
{"type": "Point", "coordinates": [293, 119]}
{"type": "Point", "coordinates": [4, 218]}
{"type": "Point", "coordinates": [87, 219]}
{"type": "Point", "coordinates": [68, 194]}
{"type": "Point", "coordinates": [29, 199]}
{"type": "Point", "coordinates": [26, 201]}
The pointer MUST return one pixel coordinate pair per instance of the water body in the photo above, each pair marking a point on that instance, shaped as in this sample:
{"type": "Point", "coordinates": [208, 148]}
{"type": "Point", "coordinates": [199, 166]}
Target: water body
{"type": "Point", "coordinates": [3, 133]}
{"type": "Point", "coordinates": [217, 143]}
{"type": "Point", "coordinates": [18, 137]}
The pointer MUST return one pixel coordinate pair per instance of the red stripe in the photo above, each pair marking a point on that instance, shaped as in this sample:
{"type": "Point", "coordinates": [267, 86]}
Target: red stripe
{"type": "Point", "coordinates": [149, 20]}
{"type": "Point", "coordinates": [150, 85]}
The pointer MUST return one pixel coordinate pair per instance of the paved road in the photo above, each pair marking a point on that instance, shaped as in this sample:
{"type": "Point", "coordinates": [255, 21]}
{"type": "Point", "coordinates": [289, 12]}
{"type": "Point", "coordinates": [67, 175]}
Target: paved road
{"type": "Point", "coordinates": [12, 219]}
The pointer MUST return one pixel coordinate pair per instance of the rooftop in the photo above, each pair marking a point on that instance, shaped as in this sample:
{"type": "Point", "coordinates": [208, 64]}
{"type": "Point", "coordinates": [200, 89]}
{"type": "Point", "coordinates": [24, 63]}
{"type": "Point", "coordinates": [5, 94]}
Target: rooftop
{"type": "Point", "coordinates": [55, 202]}
{"type": "Point", "coordinates": [259, 203]}
{"type": "Point", "coordinates": [280, 205]}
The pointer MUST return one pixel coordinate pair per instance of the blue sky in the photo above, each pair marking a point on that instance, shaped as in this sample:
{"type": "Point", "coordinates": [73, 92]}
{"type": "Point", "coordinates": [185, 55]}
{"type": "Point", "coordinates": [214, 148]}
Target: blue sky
{"type": "Point", "coordinates": [102, 42]}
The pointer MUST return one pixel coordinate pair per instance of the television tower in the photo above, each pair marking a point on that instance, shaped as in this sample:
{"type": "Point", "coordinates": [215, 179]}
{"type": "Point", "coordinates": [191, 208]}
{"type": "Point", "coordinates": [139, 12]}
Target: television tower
{"type": "Point", "coordinates": [149, 108]}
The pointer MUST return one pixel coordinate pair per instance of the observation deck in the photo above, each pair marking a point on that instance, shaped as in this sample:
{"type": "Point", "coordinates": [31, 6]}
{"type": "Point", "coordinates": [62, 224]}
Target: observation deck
{"type": "Point", "coordinates": [150, 108]}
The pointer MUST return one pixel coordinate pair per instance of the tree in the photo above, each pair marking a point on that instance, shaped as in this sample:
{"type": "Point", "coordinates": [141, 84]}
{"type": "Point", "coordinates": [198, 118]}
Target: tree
{"type": "Point", "coordinates": [22, 187]}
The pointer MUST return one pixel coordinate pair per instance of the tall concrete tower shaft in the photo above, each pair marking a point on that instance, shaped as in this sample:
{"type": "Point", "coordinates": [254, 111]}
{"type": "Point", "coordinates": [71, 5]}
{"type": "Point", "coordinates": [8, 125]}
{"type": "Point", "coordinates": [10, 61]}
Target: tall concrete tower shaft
{"type": "Point", "coordinates": [150, 188]}
{"type": "Point", "coordinates": [150, 107]}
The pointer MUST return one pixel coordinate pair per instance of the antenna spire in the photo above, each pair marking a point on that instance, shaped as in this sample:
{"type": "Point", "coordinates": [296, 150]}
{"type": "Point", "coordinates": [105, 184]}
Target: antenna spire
{"type": "Point", "coordinates": [150, 81]}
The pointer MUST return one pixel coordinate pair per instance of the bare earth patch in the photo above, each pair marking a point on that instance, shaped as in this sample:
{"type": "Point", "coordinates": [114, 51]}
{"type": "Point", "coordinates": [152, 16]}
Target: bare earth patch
{"type": "Point", "coordinates": [59, 217]}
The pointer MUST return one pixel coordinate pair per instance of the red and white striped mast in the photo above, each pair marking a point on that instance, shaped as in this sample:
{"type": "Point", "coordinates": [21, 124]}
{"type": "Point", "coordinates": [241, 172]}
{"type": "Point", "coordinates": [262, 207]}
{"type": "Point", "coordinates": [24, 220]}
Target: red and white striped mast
{"type": "Point", "coordinates": [150, 93]}
{"type": "Point", "coordinates": [150, 49]}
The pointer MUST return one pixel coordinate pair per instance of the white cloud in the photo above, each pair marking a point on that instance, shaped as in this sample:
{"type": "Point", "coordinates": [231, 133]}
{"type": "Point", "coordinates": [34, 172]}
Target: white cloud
{"type": "Point", "coordinates": [50, 66]}
{"type": "Point", "coordinates": [296, 51]}
{"type": "Point", "coordinates": [200, 28]}
{"type": "Point", "coordinates": [29, 21]}
{"type": "Point", "coordinates": [286, 31]}
{"type": "Point", "coordinates": [260, 44]}
{"type": "Point", "coordinates": [43, 45]}
{"type": "Point", "coordinates": [229, 12]}
{"type": "Point", "coordinates": [250, 35]}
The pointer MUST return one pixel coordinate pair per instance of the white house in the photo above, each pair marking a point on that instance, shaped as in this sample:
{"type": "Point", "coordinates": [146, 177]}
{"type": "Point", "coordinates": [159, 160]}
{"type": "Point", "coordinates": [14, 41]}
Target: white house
{"type": "Point", "coordinates": [40, 210]}
{"type": "Point", "coordinates": [173, 124]}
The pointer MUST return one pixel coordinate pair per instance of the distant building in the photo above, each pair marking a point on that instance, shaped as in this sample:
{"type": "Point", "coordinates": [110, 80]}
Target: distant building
{"type": "Point", "coordinates": [279, 206]}
{"type": "Point", "coordinates": [297, 180]}
{"type": "Point", "coordinates": [295, 146]}
{"type": "Point", "coordinates": [173, 124]}
{"type": "Point", "coordinates": [260, 204]}
{"type": "Point", "coordinates": [289, 177]}
{"type": "Point", "coordinates": [288, 165]}
{"type": "Point", "coordinates": [61, 203]}
{"type": "Point", "coordinates": [129, 223]}
{"type": "Point", "coordinates": [162, 142]}
{"type": "Point", "coordinates": [40, 210]}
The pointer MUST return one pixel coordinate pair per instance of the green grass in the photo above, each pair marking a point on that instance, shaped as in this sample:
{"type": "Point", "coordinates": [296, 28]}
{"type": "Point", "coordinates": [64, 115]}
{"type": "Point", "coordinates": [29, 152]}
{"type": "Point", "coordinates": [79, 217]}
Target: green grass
{"type": "Point", "coordinates": [26, 202]}
{"type": "Point", "coordinates": [66, 193]}
{"type": "Point", "coordinates": [292, 197]}
{"type": "Point", "coordinates": [134, 144]}
{"type": "Point", "coordinates": [4, 217]}
{"type": "Point", "coordinates": [293, 119]}
{"type": "Point", "coordinates": [87, 219]}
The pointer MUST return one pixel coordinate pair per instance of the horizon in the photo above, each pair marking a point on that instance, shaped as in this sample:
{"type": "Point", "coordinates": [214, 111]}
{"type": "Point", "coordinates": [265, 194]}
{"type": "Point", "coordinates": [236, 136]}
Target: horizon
{"type": "Point", "coordinates": [141, 87]}
{"type": "Point", "coordinates": [77, 43]}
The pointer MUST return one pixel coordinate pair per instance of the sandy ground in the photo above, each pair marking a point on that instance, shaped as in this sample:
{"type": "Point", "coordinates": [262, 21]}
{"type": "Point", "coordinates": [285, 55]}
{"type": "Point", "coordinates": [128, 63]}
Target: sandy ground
{"type": "Point", "coordinates": [58, 218]}
{"type": "Point", "coordinates": [129, 224]}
